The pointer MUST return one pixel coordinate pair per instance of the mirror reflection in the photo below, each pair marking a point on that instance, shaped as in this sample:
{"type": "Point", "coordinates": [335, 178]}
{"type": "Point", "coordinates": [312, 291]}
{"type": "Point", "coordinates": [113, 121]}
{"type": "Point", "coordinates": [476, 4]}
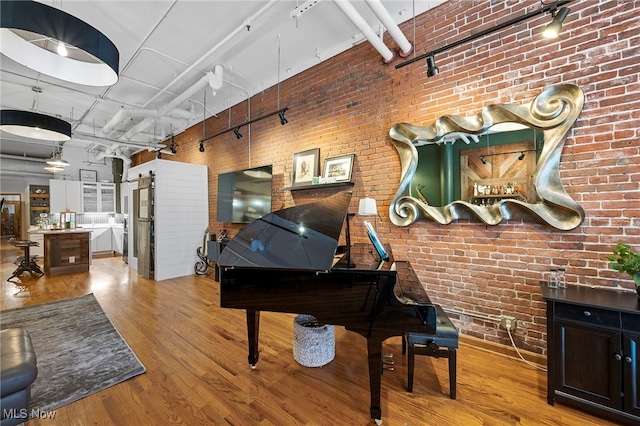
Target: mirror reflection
{"type": "Point", "coordinates": [500, 164]}
{"type": "Point", "coordinates": [479, 169]}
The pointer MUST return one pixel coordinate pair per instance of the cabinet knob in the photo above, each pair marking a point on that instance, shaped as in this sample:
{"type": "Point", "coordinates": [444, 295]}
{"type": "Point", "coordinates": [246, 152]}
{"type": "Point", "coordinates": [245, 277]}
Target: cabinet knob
{"type": "Point", "coordinates": [628, 359]}
{"type": "Point", "coordinates": [618, 357]}
{"type": "Point", "coordinates": [586, 313]}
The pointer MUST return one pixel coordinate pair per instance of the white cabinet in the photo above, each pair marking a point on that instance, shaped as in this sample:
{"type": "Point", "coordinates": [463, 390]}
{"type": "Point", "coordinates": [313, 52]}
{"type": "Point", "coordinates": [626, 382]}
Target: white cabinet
{"type": "Point", "coordinates": [66, 195]}
{"type": "Point", "coordinates": [117, 240]}
{"type": "Point", "coordinates": [101, 240]}
{"type": "Point", "coordinates": [98, 197]}
{"type": "Point", "coordinates": [37, 250]}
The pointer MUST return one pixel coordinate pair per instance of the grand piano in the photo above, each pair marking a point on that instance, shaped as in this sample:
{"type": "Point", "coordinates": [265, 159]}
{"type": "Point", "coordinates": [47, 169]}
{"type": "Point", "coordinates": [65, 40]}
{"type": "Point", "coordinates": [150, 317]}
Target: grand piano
{"type": "Point", "coordinates": [286, 261]}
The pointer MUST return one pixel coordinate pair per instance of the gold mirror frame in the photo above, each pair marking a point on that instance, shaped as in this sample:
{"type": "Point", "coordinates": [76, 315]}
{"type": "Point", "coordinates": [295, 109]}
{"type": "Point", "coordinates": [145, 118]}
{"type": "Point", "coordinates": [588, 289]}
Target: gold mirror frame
{"type": "Point", "coordinates": [552, 112]}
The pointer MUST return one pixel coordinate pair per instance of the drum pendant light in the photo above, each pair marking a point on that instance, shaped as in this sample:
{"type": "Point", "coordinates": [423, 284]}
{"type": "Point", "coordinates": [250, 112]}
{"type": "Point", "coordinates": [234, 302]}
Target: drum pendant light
{"type": "Point", "coordinates": [31, 33]}
{"type": "Point", "coordinates": [34, 125]}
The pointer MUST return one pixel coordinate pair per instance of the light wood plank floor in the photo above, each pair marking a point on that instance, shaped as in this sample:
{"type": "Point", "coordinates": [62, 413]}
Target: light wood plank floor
{"type": "Point", "coordinates": [197, 371]}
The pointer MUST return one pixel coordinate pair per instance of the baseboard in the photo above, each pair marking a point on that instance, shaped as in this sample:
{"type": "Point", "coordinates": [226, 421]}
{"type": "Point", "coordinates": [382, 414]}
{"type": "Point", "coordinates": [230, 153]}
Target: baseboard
{"type": "Point", "coordinates": [509, 351]}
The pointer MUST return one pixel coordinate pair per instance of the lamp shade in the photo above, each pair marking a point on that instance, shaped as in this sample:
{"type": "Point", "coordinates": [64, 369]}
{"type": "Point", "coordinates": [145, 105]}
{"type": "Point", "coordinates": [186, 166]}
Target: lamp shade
{"type": "Point", "coordinates": [27, 27]}
{"type": "Point", "coordinates": [367, 207]}
{"type": "Point", "coordinates": [34, 125]}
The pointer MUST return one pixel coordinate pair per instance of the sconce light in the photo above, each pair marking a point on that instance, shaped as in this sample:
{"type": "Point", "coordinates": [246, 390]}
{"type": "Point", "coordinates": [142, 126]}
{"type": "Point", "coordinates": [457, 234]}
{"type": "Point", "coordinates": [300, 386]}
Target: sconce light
{"type": "Point", "coordinates": [201, 149]}
{"type": "Point", "coordinates": [283, 120]}
{"type": "Point", "coordinates": [57, 32]}
{"type": "Point", "coordinates": [236, 132]}
{"type": "Point", "coordinates": [159, 155]}
{"type": "Point", "coordinates": [432, 69]}
{"type": "Point", "coordinates": [173, 146]}
{"type": "Point", "coordinates": [521, 157]}
{"type": "Point", "coordinates": [483, 160]}
{"type": "Point", "coordinates": [555, 26]}
{"type": "Point", "coordinates": [34, 125]}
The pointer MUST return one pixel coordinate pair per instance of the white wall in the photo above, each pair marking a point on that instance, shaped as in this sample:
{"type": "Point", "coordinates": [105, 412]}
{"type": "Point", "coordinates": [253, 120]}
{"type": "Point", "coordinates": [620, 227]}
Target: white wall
{"type": "Point", "coordinates": [181, 215]}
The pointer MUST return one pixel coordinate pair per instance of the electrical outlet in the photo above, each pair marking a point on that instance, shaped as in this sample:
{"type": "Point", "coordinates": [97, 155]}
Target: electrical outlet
{"type": "Point", "coordinates": [509, 323]}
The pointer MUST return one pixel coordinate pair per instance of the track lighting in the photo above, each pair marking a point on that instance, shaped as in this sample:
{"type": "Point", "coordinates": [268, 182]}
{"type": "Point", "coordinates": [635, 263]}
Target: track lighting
{"type": "Point", "coordinates": [553, 29]}
{"type": "Point", "coordinates": [432, 69]}
{"type": "Point", "coordinates": [236, 132]}
{"type": "Point", "coordinates": [201, 146]}
{"type": "Point", "coordinates": [521, 157]}
{"type": "Point", "coordinates": [283, 120]}
{"type": "Point", "coordinates": [483, 160]}
{"type": "Point", "coordinates": [159, 155]}
{"type": "Point", "coordinates": [173, 146]}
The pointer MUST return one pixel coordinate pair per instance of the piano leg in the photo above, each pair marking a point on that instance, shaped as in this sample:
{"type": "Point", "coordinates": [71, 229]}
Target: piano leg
{"type": "Point", "coordinates": [253, 331]}
{"type": "Point", "coordinates": [374, 347]}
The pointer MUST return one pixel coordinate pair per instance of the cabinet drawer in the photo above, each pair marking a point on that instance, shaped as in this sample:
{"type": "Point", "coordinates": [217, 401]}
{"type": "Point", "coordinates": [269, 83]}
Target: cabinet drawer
{"type": "Point", "coordinates": [588, 315]}
{"type": "Point", "coordinates": [630, 322]}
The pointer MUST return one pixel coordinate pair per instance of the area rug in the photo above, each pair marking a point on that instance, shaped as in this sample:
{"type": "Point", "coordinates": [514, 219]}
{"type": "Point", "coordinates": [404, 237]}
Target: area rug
{"type": "Point", "coordinates": [78, 350]}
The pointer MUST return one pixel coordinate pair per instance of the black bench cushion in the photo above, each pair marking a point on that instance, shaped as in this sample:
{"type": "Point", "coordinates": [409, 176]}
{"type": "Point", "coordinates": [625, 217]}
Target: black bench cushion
{"type": "Point", "coordinates": [17, 361]}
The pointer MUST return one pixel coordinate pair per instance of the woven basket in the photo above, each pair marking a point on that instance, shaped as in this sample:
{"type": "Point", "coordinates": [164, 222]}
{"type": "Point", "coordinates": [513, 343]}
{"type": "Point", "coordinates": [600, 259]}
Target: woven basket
{"type": "Point", "coordinates": [313, 343]}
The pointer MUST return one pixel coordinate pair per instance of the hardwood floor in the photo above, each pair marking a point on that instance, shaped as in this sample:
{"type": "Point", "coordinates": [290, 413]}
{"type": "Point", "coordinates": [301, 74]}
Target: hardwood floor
{"type": "Point", "coordinates": [197, 372]}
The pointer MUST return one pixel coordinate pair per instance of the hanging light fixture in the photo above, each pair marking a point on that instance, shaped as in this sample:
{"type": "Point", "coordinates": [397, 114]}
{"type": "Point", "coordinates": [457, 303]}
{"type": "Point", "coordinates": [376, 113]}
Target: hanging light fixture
{"type": "Point", "coordinates": [56, 160]}
{"type": "Point", "coordinates": [34, 125]}
{"type": "Point", "coordinates": [31, 34]}
{"type": "Point", "coordinates": [555, 26]}
{"type": "Point", "coordinates": [432, 69]}
{"type": "Point", "coordinates": [54, 169]}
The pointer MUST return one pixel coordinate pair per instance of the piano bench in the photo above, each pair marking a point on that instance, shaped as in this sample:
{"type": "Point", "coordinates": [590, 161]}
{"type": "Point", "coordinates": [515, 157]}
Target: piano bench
{"type": "Point", "coordinates": [443, 344]}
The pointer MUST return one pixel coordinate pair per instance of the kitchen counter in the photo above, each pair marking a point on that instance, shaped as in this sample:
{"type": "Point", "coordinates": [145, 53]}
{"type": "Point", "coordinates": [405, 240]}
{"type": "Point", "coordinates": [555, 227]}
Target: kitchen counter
{"type": "Point", "coordinates": [66, 251]}
{"type": "Point", "coordinates": [59, 231]}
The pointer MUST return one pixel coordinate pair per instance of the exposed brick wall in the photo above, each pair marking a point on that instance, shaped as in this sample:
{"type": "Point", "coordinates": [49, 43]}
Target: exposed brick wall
{"type": "Point", "coordinates": [348, 104]}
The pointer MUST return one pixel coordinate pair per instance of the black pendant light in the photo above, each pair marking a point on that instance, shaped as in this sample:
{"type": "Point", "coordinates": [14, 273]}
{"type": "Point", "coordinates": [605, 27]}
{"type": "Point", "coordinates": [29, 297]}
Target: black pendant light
{"type": "Point", "coordinates": [34, 125]}
{"type": "Point", "coordinates": [35, 35]}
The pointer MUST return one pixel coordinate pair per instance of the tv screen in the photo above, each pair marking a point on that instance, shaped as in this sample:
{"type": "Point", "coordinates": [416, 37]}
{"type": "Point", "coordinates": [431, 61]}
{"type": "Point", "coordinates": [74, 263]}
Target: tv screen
{"type": "Point", "coordinates": [244, 195]}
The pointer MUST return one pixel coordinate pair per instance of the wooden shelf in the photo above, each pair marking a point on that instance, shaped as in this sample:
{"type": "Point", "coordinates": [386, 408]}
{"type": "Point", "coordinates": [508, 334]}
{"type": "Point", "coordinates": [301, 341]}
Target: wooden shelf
{"type": "Point", "coordinates": [318, 186]}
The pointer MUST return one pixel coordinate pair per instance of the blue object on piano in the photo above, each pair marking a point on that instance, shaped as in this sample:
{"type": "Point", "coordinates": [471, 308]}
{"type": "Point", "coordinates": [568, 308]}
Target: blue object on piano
{"type": "Point", "coordinates": [375, 240]}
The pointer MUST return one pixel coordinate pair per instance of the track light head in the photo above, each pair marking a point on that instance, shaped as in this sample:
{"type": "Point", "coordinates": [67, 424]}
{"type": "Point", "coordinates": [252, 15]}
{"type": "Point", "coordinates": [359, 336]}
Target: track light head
{"type": "Point", "coordinates": [283, 120]}
{"type": "Point", "coordinates": [432, 69]}
{"type": "Point", "coordinates": [521, 157]}
{"type": "Point", "coordinates": [483, 160]}
{"type": "Point", "coordinates": [236, 132]}
{"type": "Point", "coordinates": [201, 147]}
{"type": "Point", "coordinates": [555, 26]}
{"type": "Point", "coordinates": [159, 155]}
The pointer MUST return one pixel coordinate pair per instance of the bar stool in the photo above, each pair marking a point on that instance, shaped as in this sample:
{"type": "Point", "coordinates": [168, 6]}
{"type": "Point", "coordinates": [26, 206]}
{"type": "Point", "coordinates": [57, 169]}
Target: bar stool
{"type": "Point", "coordinates": [26, 263]}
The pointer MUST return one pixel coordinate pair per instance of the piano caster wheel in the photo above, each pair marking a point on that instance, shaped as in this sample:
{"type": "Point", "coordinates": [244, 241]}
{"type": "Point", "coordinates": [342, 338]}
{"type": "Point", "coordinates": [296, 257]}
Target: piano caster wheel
{"type": "Point", "coordinates": [253, 366]}
{"type": "Point", "coordinates": [378, 421]}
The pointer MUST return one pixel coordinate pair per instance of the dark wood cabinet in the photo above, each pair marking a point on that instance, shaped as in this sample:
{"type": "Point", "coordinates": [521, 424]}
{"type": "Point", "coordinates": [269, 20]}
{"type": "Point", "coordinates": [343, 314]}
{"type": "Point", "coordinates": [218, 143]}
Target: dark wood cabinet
{"type": "Point", "coordinates": [593, 339]}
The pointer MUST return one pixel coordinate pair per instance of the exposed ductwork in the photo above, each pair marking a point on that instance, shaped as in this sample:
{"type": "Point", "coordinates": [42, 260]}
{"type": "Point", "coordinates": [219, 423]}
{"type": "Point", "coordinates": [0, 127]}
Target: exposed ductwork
{"type": "Point", "coordinates": [168, 113]}
{"type": "Point", "coordinates": [347, 8]}
{"type": "Point", "coordinates": [394, 30]}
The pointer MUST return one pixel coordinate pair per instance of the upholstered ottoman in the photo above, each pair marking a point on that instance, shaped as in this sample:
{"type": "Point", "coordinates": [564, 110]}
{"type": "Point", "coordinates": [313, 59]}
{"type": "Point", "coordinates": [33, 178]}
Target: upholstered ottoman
{"type": "Point", "coordinates": [18, 370]}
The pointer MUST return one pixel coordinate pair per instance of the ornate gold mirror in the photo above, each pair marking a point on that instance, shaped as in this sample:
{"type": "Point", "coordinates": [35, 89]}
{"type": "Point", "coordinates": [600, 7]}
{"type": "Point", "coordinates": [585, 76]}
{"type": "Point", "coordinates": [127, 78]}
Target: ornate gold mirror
{"type": "Point", "coordinates": [506, 168]}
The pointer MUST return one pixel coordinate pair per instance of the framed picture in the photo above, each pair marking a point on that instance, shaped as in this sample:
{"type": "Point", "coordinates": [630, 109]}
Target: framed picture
{"type": "Point", "coordinates": [339, 168]}
{"type": "Point", "coordinates": [88, 175]}
{"type": "Point", "coordinates": [306, 166]}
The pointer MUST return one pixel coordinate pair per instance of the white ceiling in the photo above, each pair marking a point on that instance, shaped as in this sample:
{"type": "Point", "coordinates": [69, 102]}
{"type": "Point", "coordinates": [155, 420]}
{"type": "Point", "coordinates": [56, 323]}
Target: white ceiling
{"type": "Point", "coordinates": [166, 47]}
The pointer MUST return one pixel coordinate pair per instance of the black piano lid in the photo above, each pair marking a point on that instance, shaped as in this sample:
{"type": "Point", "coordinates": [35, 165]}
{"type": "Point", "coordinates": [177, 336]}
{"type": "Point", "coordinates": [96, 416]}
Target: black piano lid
{"type": "Point", "coordinates": [298, 238]}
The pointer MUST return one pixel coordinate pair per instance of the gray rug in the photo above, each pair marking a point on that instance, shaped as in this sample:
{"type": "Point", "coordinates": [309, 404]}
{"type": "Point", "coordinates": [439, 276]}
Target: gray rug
{"type": "Point", "coordinates": [78, 350]}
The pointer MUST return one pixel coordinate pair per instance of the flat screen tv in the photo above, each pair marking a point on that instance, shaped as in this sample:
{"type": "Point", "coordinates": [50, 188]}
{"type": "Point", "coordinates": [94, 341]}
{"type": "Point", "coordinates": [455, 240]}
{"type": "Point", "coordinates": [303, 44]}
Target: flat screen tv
{"type": "Point", "coordinates": [244, 195]}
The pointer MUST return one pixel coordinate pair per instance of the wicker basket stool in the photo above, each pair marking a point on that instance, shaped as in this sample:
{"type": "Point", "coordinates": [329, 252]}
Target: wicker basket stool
{"type": "Point", "coordinates": [313, 343]}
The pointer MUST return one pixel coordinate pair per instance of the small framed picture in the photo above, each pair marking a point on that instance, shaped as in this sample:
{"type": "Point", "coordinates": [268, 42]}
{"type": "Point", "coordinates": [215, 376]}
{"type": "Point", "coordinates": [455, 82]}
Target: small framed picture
{"type": "Point", "coordinates": [306, 166]}
{"type": "Point", "coordinates": [339, 168]}
{"type": "Point", "coordinates": [88, 175]}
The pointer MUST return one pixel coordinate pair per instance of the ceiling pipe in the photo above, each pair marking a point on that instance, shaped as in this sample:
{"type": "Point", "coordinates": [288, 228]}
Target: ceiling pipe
{"type": "Point", "coordinates": [406, 48]}
{"type": "Point", "coordinates": [242, 27]}
{"type": "Point", "coordinates": [24, 158]}
{"type": "Point", "coordinates": [208, 79]}
{"type": "Point", "coordinates": [347, 8]}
